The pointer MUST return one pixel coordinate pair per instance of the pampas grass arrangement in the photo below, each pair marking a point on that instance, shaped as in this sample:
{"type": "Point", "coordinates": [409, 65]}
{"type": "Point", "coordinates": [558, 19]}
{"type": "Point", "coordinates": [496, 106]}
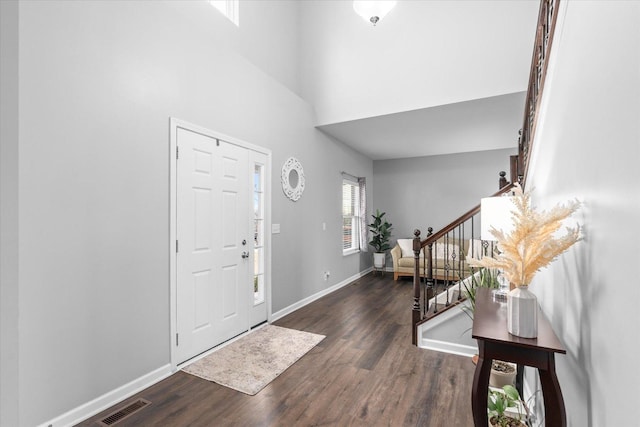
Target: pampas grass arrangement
{"type": "Point", "coordinates": [533, 243]}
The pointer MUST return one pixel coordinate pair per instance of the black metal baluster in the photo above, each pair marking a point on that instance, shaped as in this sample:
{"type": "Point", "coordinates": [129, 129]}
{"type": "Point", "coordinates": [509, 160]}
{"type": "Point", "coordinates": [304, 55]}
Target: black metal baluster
{"type": "Point", "coordinates": [461, 239]}
{"type": "Point", "coordinates": [430, 278]}
{"type": "Point", "coordinates": [425, 297]}
{"type": "Point", "coordinates": [447, 266]}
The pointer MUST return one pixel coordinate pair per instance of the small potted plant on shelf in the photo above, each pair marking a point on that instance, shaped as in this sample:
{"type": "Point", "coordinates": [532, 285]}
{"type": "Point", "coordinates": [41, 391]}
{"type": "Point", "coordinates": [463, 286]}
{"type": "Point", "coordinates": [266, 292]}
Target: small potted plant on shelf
{"type": "Point", "coordinates": [502, 373]}
{"type": "Point", "coordinates": [381, 231]}
{"type": "Point", "coordinates": [497, 404]}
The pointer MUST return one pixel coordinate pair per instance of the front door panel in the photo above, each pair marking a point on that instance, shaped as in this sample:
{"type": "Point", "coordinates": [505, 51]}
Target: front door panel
{"type": "Point", "coordinates": [212, 222]}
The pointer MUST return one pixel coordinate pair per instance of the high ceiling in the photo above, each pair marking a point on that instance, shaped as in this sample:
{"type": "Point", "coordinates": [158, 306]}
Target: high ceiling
{"type": "Point", "coordinates": [433, 77]}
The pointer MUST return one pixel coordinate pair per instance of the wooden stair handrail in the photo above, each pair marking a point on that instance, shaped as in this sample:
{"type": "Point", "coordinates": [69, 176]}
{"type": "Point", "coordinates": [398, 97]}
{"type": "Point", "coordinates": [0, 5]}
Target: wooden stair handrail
{"type": "Point", "coordinates": [464, 217]}
{"type": "Point", "coordinates": [427, 243]}
{"type": "Point", "coordinates": [545, 29]}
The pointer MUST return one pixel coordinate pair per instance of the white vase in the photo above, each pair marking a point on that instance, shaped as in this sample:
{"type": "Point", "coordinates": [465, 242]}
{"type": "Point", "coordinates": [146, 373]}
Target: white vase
{"type": "Point", "coordinates": [379, 259]}
{"type": "Point", "coordinates": [522, 313]}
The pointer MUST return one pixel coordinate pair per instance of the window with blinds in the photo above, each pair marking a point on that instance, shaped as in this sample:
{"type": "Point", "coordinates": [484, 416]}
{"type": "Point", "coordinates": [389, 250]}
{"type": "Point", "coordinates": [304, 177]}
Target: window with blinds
{"type": "Point", "coordinates": [350, 209]}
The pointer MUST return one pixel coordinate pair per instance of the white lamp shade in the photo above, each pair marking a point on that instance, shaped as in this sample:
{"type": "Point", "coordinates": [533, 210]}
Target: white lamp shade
{"type": "Point", "coordinates": [495, 212]}
{"type": "Point", "coordinates": [369, 9]}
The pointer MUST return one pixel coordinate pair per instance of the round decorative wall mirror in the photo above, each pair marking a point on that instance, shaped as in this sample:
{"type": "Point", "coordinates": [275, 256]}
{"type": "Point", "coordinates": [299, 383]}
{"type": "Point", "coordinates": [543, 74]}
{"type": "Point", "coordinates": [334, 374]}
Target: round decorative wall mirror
{"type": "Point", "coordinates": [292, 179]}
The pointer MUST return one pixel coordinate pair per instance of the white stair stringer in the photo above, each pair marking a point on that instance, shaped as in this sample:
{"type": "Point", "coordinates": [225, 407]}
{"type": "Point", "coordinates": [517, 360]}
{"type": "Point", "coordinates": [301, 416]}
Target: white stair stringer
{"type": "Point", "coordinates": [450, 331]}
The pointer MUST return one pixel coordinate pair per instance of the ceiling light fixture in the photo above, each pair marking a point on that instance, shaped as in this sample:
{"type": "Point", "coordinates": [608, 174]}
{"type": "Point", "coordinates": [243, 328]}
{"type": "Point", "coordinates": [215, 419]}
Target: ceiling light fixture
{"type": "Point", "coordinates": [373, 11]}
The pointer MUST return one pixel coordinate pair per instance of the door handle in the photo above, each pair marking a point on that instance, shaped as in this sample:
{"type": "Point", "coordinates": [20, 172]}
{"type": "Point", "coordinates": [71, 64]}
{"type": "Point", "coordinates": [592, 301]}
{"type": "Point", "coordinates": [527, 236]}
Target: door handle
{"type": "Point", "coordinates": [245, 254]}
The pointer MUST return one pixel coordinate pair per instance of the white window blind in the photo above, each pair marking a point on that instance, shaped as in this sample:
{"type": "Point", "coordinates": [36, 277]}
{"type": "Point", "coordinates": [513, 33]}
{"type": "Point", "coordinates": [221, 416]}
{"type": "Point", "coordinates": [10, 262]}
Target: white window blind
{"type": "Point", "coordinates": [350, 218]}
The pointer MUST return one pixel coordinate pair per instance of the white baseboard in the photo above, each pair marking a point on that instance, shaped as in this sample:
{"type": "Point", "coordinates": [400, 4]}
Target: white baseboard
{"type": "Point", "coordinates": [293, 307]}
{"type": "Point", "coordinates": [109, 399]}
{"type": "Point", "coordinates": [448, 347]}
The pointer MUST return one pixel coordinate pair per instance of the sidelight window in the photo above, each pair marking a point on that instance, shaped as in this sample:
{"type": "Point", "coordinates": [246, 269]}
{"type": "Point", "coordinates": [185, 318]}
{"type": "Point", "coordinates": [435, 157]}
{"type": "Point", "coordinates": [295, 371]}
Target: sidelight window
{"type": "Point", "coordinates": [258, 234]}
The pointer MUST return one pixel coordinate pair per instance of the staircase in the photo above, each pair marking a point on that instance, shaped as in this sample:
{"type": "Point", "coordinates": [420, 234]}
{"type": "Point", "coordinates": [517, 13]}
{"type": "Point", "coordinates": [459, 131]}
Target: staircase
{"type": "Point", "coordinates": [445, 251]}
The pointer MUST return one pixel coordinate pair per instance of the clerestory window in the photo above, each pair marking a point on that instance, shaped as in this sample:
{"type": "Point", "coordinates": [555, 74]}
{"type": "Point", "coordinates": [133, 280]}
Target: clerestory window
{"type": "Point", "coordinates": [228, 8]}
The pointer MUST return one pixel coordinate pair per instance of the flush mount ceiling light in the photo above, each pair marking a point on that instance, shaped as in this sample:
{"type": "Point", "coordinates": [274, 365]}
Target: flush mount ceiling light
{"type": "Point", "coordinates": [373, 11]}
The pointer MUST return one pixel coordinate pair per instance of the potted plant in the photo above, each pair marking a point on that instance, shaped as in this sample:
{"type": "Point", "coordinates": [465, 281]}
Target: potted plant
{"type": "Point", "coordinates": [381, 231]}
{"type": "Point", "coordinates": [502, 373]}
{"type": "Point", "coordinates": [531, 245]}
{"type": "Point", "coordinates": [483, 278]}
{"type": "Point", "coordinates": [497, 404]}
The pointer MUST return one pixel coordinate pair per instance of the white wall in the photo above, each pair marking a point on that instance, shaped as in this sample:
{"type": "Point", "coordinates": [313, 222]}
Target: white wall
{"type": "Point", "coordinates": [98, 82]}
{"type": "Point", "coordinates": [588, 146]}
{"type": "Point", "coordinates": [269, 31]}
{"type": "Point", "coordinates": [267, 36]}
{"type": "Point", "coordinates": [9, 293]}
{"type": "Point", "coordinates": [432, 191]}
{"type": "Point", "coordinates": [423, 54]}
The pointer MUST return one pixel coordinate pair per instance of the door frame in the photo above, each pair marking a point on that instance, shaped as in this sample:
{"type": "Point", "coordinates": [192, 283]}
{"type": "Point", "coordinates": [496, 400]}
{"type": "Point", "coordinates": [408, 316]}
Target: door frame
{"type": "Point", "coordinates": [174, 125]}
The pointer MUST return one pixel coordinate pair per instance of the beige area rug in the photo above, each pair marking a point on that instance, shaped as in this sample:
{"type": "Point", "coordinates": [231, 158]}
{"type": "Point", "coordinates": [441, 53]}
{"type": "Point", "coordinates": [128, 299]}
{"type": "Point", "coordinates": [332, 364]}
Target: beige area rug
{"type": "Point", "coordinates": [253, 361]}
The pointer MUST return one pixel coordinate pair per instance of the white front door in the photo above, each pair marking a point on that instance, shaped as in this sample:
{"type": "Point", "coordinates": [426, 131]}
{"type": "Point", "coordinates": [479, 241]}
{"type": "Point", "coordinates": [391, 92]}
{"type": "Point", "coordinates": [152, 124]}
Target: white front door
{"type": "Point", "coordinates": [213, 231]}
{"type": "Point", "coordinates": [235, 227]}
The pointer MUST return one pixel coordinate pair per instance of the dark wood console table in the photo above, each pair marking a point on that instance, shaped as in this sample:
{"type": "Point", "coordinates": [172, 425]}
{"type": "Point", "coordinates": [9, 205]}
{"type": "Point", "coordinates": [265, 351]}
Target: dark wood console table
{"type": "Point", "coordinates": [494, 342]}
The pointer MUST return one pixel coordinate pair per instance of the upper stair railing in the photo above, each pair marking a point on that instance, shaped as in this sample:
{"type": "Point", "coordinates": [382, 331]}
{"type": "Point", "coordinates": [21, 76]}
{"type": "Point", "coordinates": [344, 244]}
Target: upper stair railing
{"type": "Point", "coordinates": [547, 18]}
{"type": "Point", "coordinates": [441, 257]}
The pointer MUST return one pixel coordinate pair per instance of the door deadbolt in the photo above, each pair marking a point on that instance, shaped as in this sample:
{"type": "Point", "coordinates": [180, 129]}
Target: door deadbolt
{"type": "Point", "coordinates": [244, 242]}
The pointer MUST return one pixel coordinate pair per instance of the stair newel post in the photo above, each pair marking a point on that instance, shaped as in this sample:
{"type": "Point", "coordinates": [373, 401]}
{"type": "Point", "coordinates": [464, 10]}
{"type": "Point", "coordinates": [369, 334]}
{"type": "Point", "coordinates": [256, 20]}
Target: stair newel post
{"type": "Point", "coordinates": [423, 279]}
{"type": "Point", "coordinates": [503, 180]}
{"type": "Point", "coordinates": [415, 313]}
{"type": "Point", "coordinates": [521, 154]}
{"type": "Point", "coordinates": [513, 168]}
{"type": "Point", "coordinates": [429, 266]}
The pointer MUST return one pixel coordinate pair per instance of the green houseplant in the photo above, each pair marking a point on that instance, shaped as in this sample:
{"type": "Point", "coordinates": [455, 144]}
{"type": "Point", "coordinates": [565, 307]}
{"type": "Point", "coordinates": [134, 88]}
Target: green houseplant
{"type": "Point", "coordinates": [483, 278]}
{"type": "Point", "coordinates": [502, 373]}
{"type": "Point", "coordinates": [498, 402]}
{"type": "Point", "coordinates": [380, 229]}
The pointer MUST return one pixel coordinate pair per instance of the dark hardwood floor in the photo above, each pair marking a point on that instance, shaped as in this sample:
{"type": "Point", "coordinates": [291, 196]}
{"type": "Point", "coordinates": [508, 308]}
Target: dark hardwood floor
{"type": "Point", "coordinates": [364, 373]}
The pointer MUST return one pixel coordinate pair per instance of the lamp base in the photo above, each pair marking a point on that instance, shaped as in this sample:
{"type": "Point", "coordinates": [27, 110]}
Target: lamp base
{"type": "Point", "coordinates": [501, 293]}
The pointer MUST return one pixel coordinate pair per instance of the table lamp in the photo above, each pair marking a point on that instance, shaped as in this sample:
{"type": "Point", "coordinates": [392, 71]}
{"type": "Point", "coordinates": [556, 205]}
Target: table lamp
{"type": "Point", "coordinates": [495, 212]}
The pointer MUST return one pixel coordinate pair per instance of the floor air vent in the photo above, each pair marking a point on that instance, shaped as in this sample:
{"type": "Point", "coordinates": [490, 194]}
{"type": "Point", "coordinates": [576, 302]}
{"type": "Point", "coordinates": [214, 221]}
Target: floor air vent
{"type": "Point", "coordinates": [123, 413]}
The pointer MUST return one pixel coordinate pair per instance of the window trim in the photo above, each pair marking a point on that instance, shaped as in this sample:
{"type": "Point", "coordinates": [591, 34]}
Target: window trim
{"type": "Point", "coordinates": [355, 238]}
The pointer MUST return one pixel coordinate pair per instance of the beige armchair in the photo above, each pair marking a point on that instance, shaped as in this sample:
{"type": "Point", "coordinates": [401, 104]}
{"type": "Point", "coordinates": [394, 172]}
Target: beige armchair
{"type": "Point", "coordinates": [448, 260]}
